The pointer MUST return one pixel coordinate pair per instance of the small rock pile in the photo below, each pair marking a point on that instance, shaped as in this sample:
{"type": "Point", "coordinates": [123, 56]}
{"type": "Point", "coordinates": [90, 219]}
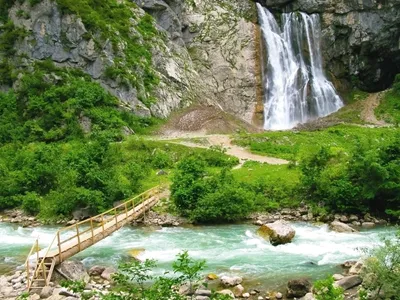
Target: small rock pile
{"type": "Point", "coordinates": [305, 214]}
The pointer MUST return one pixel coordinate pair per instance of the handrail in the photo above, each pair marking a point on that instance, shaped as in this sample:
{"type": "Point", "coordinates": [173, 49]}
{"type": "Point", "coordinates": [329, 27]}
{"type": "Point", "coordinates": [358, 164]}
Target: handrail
{"type": "Point", "coordinates": [35, 246]}
{"type": "Point", "coordinates": [123, 207]}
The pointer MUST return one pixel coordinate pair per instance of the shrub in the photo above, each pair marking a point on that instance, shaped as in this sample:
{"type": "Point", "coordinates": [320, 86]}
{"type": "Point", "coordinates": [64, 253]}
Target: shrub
{"type": "Point", "coordinates": [325, 290]}
{"type": "Point", "coordinates": [31, 203]}
{"type": "Point", "coordinates": [381, 272]}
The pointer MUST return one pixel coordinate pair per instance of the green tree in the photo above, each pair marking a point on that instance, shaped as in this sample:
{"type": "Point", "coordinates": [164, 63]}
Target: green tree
{"type": "Point", "coordinates": [381, 271]}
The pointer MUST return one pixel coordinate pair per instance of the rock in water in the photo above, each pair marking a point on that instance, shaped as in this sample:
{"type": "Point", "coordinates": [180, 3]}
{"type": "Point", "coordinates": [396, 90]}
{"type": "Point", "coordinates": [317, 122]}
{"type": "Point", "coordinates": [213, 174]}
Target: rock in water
{"type": "Point", "coordinates": [341, 227]}
{"type": "Point", "coordinates": [73, 270]}
{"type": "Point", "coordinates": [279, 232]}
{"type": "Point", "coordinates": [231, 281]}
{"type": "Point", "coordinates": [298, 288]}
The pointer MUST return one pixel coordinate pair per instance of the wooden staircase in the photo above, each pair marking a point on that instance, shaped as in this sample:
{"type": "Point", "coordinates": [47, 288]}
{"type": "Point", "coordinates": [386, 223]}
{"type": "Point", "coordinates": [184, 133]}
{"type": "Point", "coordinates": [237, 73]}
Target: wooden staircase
{"type": "Point", "coordinates": [73, 239]}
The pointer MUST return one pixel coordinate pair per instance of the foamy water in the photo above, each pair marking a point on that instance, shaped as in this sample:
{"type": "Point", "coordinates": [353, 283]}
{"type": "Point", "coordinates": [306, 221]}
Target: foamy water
{"type": "Point", "coordinates": [228, 249]}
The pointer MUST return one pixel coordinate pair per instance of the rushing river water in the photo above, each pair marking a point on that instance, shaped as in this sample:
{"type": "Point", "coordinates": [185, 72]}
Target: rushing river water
{"type": "Point", "coordinates": [228, 249]}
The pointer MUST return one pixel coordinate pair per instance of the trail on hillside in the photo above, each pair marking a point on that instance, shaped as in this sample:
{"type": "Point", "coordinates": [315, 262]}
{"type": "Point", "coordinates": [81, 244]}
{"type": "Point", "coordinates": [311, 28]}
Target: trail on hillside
{"type": "Point", "coordinates": [205, 141]}
{"type": "Point", "coordinates": [368, 112]}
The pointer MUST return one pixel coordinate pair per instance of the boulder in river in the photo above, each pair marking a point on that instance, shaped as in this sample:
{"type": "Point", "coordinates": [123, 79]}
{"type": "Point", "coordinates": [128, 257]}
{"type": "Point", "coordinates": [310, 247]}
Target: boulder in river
{"type": "Point", "coordinates": [231, 281]}
{"type": "Point", "coordinates": [279, 232]}
{"type": "Point", "coordinates": [341, 227]}
{"type": "Point", "coordinates": [227, 292]}
{"type": "Point", "coordinates": [298, 288]}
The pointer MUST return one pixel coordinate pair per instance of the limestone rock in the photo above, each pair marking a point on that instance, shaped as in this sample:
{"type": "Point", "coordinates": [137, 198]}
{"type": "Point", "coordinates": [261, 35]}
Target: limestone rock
{"type": "Point", "coordinates": [308, 296]}
{"type": "Point", "coordinates": [96, 270]}
{"type": "Point", "coordinates": [298, 288]}
{"type": "Point", "coordinates": [238, 290]}
{"type": "Point", "coordinates": [46, 292]}
{"type": "Point", "coordinates": [337, 277]}
{"type": "Point", "coordinates": [349, 282]}
{"type": "Point", "coordinates": [231, 281]}
{"type": "Point", "coordinates": [73, 270]}
{"type": "Point", "coordinates": [278, 232]}
{"type": "Point", "coordinates": [202, 292]}
{"type": "Point", "coordinates": [341, 227]}
{"type": "Point", "coordinates": [368, 224]}
{"type": "Point", "coordinates": [356, 268]}
{"type": "Point", "coordinates": [107, 273]}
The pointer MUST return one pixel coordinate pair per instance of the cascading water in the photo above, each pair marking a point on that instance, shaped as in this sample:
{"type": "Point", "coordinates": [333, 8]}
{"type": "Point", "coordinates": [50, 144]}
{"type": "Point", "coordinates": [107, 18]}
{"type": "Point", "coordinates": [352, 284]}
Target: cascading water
{"type": "Point", "coordinates": [296, 89]}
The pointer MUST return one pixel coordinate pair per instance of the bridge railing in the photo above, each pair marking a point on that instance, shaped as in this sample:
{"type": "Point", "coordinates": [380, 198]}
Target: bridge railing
{"type": "Point", "coordinates": [75, 231]}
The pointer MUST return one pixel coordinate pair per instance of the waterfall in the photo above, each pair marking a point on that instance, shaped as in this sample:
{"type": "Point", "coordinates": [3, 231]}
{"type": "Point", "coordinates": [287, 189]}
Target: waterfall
{"type": "Point", "coordinates": [295, 87]}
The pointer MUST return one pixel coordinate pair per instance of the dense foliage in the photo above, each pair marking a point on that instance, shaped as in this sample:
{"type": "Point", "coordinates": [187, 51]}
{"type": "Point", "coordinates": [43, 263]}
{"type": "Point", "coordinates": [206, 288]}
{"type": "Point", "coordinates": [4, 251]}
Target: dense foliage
{"type": "Point", "coordinates": [206, 197]}
{"type": "Point", "coordinates": [381, 271]}
{"type": "Point", "coordinates": [366, 180]}
{"type": "Point", "coordinates": [51, 104]}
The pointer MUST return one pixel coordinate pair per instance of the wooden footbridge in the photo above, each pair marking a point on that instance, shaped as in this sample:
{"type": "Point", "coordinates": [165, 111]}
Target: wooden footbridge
{"type": "Point", "coordinates": [71, 240]}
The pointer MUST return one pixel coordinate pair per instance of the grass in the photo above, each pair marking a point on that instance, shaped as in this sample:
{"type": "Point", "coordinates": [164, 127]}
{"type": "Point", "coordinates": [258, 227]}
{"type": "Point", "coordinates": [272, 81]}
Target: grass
{"type": "Point", "coordinates": [281, 174]}
{"type": "Point", "coordinates": [293, 145]}
{"type": "Point", "coordinates": [389, 108]}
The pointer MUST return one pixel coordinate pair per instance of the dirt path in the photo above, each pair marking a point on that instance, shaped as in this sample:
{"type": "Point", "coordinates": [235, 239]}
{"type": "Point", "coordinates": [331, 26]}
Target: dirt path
{"type": "Point", "coordinates": [225, 141]}
{"type": "Point", "coordinates": [368, 112]}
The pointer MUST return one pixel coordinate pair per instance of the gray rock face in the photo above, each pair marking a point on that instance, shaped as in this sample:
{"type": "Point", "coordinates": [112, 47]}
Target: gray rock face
{"type": "Point", "coordinates": [360, 39]}
{"type": "Point", "coordinates": [208, 54]}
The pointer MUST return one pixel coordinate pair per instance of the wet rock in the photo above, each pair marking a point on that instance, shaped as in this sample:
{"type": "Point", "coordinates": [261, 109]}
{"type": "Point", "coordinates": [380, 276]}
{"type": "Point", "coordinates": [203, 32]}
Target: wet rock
{"type": "Point", "coordinates": [246, 295]}
{"type": "Point", "coordinates": [341, 227]}
{"type": "Point", "coordinates": [278, 296]}
{"type": "Point", "coordinates": [349, 282]}
{"type": "Point", "coordinates": [279, 232]}
{"type": "Point", "coordinates": [231, 281]}
{"type": "Point", "coordinates": [368, 224]}
{"type": "Point", "coordinates": [298, 288]}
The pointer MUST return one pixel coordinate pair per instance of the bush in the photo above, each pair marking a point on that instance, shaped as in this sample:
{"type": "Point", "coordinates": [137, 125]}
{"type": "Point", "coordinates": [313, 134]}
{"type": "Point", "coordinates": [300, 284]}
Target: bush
{"type": "Point", "coordinates": [31, 203]}
{"type": "Point", "coordinates": [381, 272]}
{"type": "Point", "coordinates": [203, 198]}
{"type": "Point", "coordinates": [324, 290]}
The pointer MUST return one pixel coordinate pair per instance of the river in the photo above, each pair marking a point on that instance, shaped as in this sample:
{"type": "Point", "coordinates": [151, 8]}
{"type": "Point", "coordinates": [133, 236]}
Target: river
{"type": "Point", "coordinates": [228, 249]}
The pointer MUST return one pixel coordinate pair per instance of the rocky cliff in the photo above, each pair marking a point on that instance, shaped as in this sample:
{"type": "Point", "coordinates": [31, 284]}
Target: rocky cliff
{"type": "Point", "coordinates": [196, 51]}
{"type": "Point", "coordinates": [360, 39]}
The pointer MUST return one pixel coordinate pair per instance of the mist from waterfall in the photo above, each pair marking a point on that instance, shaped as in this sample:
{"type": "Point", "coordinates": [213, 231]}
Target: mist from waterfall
{"type": "Point", "coordinates": [295, 87]}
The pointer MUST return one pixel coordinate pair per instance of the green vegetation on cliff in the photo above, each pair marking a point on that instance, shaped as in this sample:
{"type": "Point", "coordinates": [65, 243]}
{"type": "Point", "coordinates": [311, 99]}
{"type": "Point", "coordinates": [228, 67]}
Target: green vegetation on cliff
{"type": "Point", "coordinates": [389, 109]}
